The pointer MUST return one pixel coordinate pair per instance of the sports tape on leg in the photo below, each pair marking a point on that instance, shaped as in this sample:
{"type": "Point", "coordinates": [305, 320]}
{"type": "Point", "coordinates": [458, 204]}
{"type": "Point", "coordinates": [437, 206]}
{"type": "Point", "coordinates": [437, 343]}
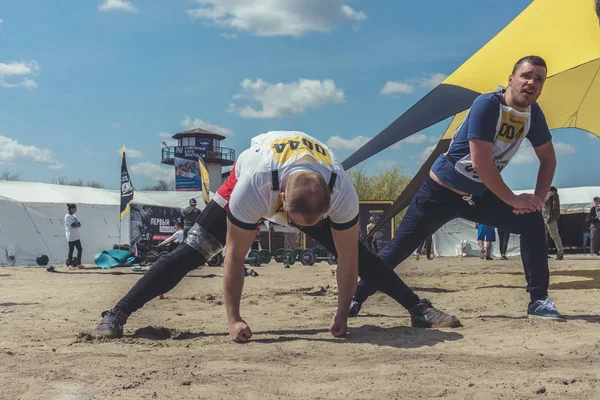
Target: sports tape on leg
{"type": "Point", "coordinates": [201, 240]}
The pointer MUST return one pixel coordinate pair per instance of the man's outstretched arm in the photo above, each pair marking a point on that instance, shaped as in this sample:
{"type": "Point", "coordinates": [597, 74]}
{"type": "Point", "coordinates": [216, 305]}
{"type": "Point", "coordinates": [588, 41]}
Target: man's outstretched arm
{"type": "Point", "coordinates": [346, 244]}
{"type": "Point", "coordinates": [237, 244]}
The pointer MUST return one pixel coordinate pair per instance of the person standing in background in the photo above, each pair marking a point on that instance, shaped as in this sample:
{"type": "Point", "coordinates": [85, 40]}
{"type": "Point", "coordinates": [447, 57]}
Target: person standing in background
{"type": "Point", "coordinates": [428, 245]}
{"type": "Point", "coordinates": [585, 229]}
{"type": "Point", "coordinates": [189, 216]}
{"type": "Point", "coordinates": [595, 226]}
{"type": "Point", "coordinates": [503, 237]}
{"type": "Point", "coordinates": [485, 234]}
{"type": "Point", "coordinates": [372, 241]}
{"type": "Point", "coordinates": [72, 226]}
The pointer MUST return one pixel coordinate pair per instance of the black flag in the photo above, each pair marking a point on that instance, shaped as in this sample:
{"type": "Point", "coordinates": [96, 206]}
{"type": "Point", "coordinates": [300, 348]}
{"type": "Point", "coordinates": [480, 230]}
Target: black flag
{"type": "Point", "coordinates": [126, 186]}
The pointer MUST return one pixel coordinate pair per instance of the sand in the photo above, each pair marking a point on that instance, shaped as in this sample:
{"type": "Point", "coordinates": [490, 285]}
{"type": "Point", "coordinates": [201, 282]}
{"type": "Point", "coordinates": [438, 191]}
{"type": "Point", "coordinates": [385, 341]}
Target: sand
{"type": "Point", "coordinates": [178, 348]}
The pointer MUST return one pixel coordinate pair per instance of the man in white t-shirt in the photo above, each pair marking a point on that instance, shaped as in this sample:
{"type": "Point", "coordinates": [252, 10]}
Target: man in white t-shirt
{"type": "Point", "coordinates": [289, 178]}
{"type": "Point", "coordinates": [72, 226]}
{"type": "Point", "coordinates": [175, 239]}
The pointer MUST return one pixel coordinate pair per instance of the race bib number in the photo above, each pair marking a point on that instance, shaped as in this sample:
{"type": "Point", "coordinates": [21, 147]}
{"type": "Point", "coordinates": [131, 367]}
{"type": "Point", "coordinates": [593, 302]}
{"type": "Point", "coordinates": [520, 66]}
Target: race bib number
{"type": "Point", "coordinates": [286, 149]}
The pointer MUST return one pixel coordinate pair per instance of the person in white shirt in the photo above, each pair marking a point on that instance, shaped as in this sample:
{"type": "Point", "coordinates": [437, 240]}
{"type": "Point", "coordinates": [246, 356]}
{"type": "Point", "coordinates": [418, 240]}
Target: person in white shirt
{"type": "Point", "coordinates": [72, 226]}
{"type": "Point", "coordinates": [292, 179]}
{"type": "Point", "coordinates": [175, 239]}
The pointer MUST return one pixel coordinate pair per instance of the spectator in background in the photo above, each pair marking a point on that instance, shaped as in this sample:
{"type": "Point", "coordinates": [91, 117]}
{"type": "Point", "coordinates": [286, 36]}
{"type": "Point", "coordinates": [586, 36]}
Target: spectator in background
{"type": "Point", "coordinates": [372, 241]}
{"type": "Point", "coordinates": [428, 244]}
{"type": "Point", "coordinates": [485, 234]}
{"type": "Point", "coordinates": [503, 237]}
{"type": "Point", "coordinates": [551, 213]}
{"type": "Point", "coordinates": [189, 216]}
{"type": "Point", "coordinates": [72, 226]}
{"type": "Point", "coordinates": [175, 239]}
{"type": "Point", "coordinates": [585, 229]}
{"type": "Point", "coordinates": [595, 227]}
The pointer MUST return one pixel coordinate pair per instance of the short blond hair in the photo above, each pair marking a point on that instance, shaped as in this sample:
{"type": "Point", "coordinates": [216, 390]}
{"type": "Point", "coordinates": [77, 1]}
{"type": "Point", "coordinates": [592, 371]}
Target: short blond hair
{"type": "Point", "coordinates": [307, 193]}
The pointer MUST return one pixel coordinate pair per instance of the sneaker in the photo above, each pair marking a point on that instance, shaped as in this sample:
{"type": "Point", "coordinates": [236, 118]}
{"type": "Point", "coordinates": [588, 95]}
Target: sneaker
{"type": "Point", "coordinates": [424, 315]}
{"type": "Point", "coordinates": [111, 326]}
{"type": "Point", "coordinates": [504, 258]}
{"type": "Point", "coordinates": [482, 254]}
{"type": "Point", "coordinates": [544, 308]}
{"type": "Point", "coordinates": [560, 256]}
{"type": "Point", "coordinates": [354, 309]}
{"type": "Point", "coordinates": [489, 258]}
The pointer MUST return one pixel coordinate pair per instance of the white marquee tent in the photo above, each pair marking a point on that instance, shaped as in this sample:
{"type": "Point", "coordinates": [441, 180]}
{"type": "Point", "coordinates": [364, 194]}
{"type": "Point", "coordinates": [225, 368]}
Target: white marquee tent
{"type": "Point", "coordinates": [460, 233]}
{"type": "Point", "coordinates": [32, 218]}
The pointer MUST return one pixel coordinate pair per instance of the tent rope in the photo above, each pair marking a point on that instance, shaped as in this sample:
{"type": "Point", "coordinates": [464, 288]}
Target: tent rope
{"type": "Point", "coordinates": [576, 113]}
{"type": "Point", "coordinates": [38, 231]}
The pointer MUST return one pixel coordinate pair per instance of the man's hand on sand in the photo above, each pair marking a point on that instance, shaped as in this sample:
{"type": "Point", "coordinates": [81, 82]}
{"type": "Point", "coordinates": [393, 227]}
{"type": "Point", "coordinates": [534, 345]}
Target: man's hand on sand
{"type": "Point", "coordinates": [339, 326]}
{"type": "Point", "coordinates": [239, 331]}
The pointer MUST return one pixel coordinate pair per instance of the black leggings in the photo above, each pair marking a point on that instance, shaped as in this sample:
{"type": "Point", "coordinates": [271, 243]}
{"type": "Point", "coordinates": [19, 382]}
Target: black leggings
{"type": "Point", "coordinates": [75, 244]}
{"type": "Point", "coordinates": [170, 269]}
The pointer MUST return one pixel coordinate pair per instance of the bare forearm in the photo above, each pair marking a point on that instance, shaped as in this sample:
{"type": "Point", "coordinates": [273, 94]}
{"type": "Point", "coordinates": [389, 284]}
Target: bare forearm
{"type": "Point", "coordinates": [492, 179]}
{"type": "Point", "coordinates": [347, 275]}
{"type": "Point", "coordinates": [233, 283]}
{"type": "Point", "coordinates": [544, 178]}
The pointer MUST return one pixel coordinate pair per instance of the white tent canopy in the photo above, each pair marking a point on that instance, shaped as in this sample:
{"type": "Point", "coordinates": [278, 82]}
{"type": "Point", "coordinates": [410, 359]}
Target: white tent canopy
{"type": "Point", "coordinates": [460, 233]}
{"type": "Point", "coordinates": [32, 218]}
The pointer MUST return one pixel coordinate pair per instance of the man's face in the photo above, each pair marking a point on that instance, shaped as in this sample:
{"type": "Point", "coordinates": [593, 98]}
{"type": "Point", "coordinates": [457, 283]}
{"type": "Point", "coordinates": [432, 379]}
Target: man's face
{"type": "Point", "coordinates": [526, 84]}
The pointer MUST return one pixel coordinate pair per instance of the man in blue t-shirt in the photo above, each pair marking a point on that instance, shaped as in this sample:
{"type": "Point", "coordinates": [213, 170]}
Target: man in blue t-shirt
{"type": "Point", "coordinates": [466, 182]}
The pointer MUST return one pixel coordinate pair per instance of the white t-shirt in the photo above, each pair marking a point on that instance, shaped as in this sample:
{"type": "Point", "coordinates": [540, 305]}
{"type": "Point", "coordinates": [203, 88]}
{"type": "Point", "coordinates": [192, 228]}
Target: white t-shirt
{"type": "Point", "coordinates": [71, 232]}
{"type": "Point", "coordinates": [287, 152]}
{"type": "Point", "coordinates": [178, 236]}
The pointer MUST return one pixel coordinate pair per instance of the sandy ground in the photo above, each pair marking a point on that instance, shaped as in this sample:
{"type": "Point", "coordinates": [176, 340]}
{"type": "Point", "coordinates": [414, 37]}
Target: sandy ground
{"type": "Point", "coordinates": [177, 348]}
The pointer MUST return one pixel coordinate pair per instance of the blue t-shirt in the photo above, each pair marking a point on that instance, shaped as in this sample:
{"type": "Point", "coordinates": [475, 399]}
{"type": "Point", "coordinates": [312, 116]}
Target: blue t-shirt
{"type": "Point", "coordinates": [489, 119]}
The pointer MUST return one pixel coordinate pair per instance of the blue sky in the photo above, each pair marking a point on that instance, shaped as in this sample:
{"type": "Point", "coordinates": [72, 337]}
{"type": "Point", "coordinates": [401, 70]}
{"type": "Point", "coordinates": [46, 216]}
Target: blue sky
{"type": "Point", "coordinates": [80, 78]}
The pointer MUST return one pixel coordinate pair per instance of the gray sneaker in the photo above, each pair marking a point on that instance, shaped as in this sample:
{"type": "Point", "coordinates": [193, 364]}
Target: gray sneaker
{"type": "Point", "coordinates": [425, 315]}
{"type": "Point", "coordinates": [111, 326]}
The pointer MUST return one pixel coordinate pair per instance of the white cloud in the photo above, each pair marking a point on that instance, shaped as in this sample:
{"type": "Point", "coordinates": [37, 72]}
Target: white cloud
{"type": "Point", "coordinates": [526, 154]}
{"type": "Point", "coordinates": [410, 85]}
{"type": "Point", "coordinates": [132, 153]}
{"type": "Point", "coordinates": [337, 142]}
{"type": "Point", "coordinates": [432, 80]}
{"type": "Point", "coordinates": [434, 139]}
{"type": "Point", "coordinates": [18, 74]}
{"type": "Point", "coordinates": [11, 151]}
{"type": "Point", "coordinates": [115, 125]}
{"type": "Point", "coordinates": [277, 17]}
{"type": "Point", "coordinates": [396, 87]}
{"type": "Point", "coordinates": [564, 148]}
{"type": "Point", "coordinates": [279, 100]}
{"type": "Point", "coordinates": [228, 35]}
{"type": "Point", "coordinates": [119, 5]}
{"type": "Point", "coordinates": [166, 135]}
{"type": "Point", "coordinates": [417, 138]}
{"type": "Point", "coordinates": [153, 171]}
{"type": "Point", "coordinates": [189, 123]}
{"type": "Point", "coordinates": [424, 155]}
{"type": "Point", "coordinates": [1, 20]}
